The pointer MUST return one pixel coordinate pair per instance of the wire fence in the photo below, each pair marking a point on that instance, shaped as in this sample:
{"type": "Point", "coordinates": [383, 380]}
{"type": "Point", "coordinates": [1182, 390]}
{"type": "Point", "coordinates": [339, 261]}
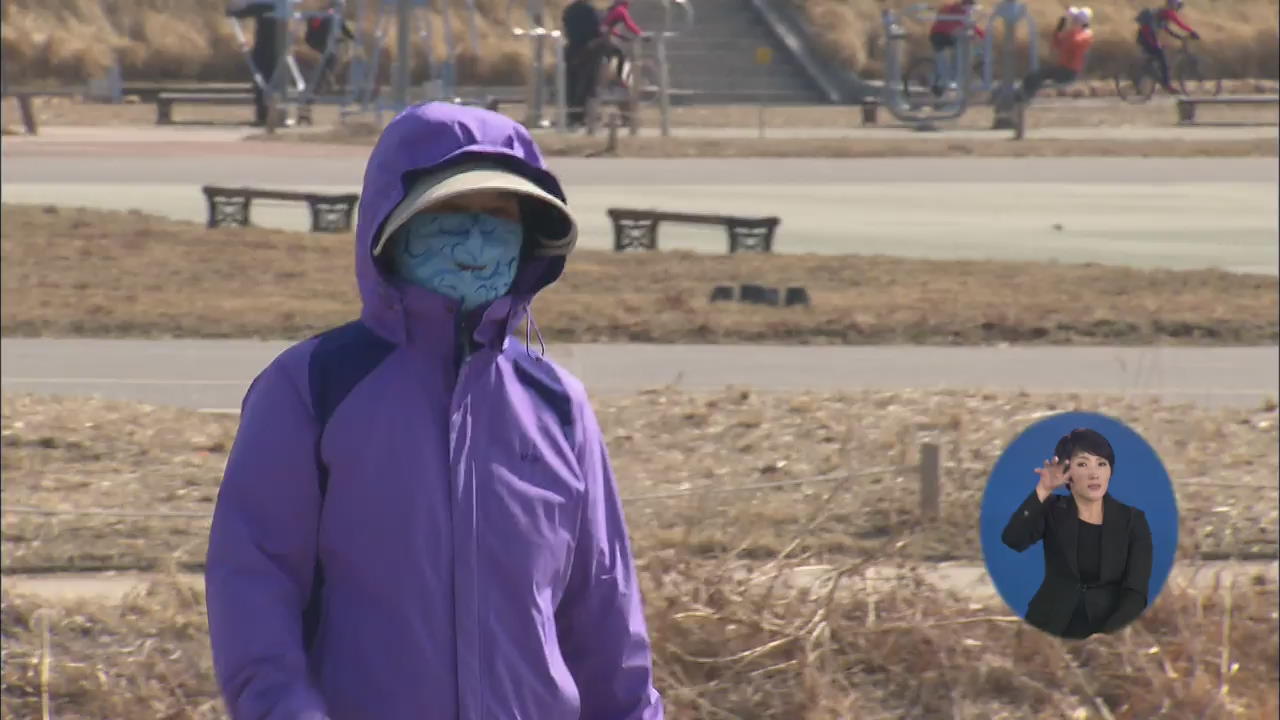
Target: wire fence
{"type": "Point", "coordinates": [835, 477]}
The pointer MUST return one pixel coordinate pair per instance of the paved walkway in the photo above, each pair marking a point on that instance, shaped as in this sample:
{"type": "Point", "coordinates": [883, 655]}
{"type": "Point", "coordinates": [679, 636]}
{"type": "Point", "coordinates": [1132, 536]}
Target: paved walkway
{"type": "Point", "coordinates": [214, 374]}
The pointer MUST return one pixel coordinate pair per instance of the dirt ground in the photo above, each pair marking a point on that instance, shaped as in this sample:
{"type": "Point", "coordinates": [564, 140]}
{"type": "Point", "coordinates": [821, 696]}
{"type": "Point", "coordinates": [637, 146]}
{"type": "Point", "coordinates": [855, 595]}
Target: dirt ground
{"type": "Point", "coordinates": [77, 453]}
{"type": "Point", "coordinates": [1065, 114]}
{"type": "Point", "coordinates": [582, 145]}
{"type": "Point", "coordinates": [69, 272]}
{"type": "Point", "coordinates": [728, 641]}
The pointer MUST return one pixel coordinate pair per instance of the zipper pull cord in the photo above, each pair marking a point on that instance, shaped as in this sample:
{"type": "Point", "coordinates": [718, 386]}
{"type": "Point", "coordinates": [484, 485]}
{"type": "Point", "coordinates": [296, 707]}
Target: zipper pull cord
{"type": "Point", "coordinates": [529, 323]}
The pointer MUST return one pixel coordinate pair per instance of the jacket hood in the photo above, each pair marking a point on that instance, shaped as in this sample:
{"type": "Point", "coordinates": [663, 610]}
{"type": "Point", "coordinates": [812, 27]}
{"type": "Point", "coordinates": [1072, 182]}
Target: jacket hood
{"type": "Point", "coordinates": [434, 136]}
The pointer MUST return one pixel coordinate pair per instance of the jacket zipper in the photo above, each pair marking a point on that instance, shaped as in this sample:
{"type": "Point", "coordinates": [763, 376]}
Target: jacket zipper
{"type": "Point", "coordinates": [474, 699]}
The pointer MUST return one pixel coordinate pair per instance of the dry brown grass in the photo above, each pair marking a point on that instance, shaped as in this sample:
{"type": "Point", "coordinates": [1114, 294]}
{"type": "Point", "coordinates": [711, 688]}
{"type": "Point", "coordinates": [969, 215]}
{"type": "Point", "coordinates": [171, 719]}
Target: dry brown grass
{"type": "Point", "coordinates": [732, 637]}
{"type": "Point", "coordinates": [68, 41]}
{"type": "Point", "coordinates": [903, 145]}
{"type": "Point", "coordinates": [732, 646]}
{"type": "Point", "coordinates": [93, 273]}
{"type": "Point", "coordinates": [687, 495]}
{"type": "Point", "coordinates": [1240, 36]}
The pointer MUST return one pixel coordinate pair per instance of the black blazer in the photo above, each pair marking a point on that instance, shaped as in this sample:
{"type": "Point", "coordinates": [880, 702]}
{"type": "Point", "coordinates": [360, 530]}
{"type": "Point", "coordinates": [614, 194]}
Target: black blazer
{"type": "Point", "coordinates": [1121, 593]}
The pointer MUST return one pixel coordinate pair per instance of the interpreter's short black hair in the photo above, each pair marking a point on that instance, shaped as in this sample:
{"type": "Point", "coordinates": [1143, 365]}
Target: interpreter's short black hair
{"type": "Point", "coordinates": [1084, 440]}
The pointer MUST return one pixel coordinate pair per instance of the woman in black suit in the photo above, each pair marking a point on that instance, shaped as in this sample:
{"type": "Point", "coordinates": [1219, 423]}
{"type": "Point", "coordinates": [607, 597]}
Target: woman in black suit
{"type": "Point", "coordinates": [1097, 550]}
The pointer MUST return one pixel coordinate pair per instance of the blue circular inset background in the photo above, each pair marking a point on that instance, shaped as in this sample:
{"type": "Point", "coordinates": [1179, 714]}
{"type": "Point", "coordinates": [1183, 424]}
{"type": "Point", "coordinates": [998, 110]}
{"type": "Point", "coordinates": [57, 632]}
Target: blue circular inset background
{"type": "Point", "coordinates": [1139, 479]}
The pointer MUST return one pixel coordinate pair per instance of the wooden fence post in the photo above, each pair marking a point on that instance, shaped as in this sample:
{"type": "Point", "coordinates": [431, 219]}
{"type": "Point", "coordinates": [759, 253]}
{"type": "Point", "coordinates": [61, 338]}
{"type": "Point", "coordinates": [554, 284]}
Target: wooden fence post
{"type": "Point", "coordinates": [930, 480]}
{"type": "Point", "coordinates": [28, 114]}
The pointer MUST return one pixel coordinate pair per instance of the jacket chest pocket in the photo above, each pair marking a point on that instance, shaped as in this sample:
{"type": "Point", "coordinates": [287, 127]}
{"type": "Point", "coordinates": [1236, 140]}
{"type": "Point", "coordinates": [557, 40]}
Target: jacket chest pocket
{"type": "Point", "coordinates": [529, 508]}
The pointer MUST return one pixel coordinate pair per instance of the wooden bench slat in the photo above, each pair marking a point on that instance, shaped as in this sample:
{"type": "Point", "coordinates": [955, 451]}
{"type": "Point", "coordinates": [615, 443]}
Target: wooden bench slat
{"type": "Point", "coordinates": [1231, 100]}
{"type": "Point", "coordinates": [692, 218]}
{"type": "Point", "coordinates": [212, 98]}
{"type": "Point", "coordinates": [267, 194]}
{"type": "Point", "coordinates": [1187, 105]}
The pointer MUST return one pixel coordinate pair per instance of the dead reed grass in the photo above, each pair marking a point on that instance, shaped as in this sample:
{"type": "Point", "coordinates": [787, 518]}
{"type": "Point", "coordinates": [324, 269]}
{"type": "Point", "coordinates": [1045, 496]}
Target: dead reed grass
{"type": "Point", "coordinates": [71, 41]}
{"type": "Point", "coordinates": [738, 631]}
{"type": "Point", "coordinates": [824, 477]}
{"type": "Point", "coordinates": [738, 645]}
{"type": "Point", "coordinates": [93, 273]}
{"type": "Point", "coordinates": [1240, 37]}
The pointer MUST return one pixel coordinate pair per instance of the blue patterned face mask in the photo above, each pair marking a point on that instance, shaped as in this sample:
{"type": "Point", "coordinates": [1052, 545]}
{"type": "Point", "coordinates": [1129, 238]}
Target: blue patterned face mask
{"type": "Point", "coordinates": [471, 257]}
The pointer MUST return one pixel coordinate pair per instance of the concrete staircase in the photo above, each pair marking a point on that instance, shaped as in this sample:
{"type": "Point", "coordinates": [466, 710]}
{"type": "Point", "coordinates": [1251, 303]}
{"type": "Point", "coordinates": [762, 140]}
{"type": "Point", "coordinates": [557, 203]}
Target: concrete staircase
{"type": "Point", "coordinates": [714, 61]}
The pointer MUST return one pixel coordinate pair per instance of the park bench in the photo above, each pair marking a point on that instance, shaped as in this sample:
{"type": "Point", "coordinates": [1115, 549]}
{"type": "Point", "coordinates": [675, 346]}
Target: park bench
{"type": "Point", "coordinates": [166, 100]}
{"type": "Point", "coordinates": [230, 206]}
{"type": "Point", "coordinates": [1187, 105]}
{"type": "Point", "coordinates": [638, 229]}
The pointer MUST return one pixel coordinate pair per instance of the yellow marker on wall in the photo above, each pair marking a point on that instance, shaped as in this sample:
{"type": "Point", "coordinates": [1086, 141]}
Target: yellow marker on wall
{"type": "Point", "coordinates": [764, 56]}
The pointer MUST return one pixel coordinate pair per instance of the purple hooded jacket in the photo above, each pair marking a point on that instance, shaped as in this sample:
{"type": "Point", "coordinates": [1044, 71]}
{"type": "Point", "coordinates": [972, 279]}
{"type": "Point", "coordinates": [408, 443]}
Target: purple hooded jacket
{"type": "Point", "coordinates": [413, 527]}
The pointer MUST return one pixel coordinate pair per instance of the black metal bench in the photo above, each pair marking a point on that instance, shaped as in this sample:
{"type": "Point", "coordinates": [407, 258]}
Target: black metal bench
{"type": "Point", "coordinates": [166, 100]}
{"type": "Point", "coordinates": [638, 229]}
{"type": "Point", "coordinates": [1187, 105]}
{"type": "Point", "coordinates": [230, 206]}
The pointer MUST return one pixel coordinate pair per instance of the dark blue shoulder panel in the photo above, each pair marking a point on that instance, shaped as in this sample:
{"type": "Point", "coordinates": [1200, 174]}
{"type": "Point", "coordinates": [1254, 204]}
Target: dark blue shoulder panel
{"type": "Point", "coordinates": [341, 358]}
{"type": "Point", "coordinates": [541, 379]}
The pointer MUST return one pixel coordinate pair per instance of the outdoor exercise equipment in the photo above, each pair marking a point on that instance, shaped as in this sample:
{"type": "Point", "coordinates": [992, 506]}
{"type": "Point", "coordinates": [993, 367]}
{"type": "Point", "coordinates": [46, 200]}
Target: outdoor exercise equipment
{"type": "Point", "coordinates": [360, 87]}
{"type": "Point", "coordinates": [1010, 13]}
{"type": "Point", "coordinates": [948, 106]}
{"type": "Point", "coordinates": [274, 87]}
{"type": "Point", "coordinates": [414, 18]}
{"type": "Point", "coordinates": [664, 74]}
{"type": "Point", "coordinates": [538, 33]}
{"type": "Point", "coordinates": [276, 90]}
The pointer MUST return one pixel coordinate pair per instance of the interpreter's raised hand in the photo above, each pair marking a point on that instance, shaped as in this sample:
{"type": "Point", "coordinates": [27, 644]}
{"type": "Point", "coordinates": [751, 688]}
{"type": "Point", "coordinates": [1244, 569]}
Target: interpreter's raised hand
{"type": "Point", "coordinates": [1052, 475]}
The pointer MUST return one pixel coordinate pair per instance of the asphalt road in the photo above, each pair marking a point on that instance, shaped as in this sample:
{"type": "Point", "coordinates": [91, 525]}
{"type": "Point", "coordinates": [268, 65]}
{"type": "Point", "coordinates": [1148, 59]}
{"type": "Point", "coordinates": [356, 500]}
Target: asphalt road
{"type": "Point", "coordinates": [1144, 212]}
{"type": "Point", "coordinates": [214, 374]}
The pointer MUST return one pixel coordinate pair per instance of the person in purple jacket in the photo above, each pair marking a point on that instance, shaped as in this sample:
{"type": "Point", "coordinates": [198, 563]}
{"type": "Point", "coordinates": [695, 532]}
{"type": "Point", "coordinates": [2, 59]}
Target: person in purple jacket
{"type": "Point", "coordinates": [418, 519]}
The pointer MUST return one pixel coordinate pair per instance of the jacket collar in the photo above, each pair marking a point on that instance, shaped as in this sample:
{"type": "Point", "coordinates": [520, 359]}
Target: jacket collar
{"type": "Point", "coordinates": [411, 315]}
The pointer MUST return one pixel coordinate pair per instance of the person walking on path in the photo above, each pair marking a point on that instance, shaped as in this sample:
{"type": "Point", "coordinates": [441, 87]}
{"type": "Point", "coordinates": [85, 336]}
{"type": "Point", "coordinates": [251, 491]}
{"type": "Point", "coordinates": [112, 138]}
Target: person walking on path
{"type": "Point", "coordinates": [418, 517]}
{"type": "Point", "coordinates": [265, 55]}
{"type": "Point", "coordinates": [583, 54]}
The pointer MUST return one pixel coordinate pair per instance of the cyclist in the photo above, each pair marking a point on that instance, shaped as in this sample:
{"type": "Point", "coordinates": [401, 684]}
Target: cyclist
{"type": "Point", "coordinates": [942, 37]}
{"type": "Point", "coordinates": [619, 13]}
{"type": "Point", "coordinates": [1071, 42]}
{"type": "Point", "coordinates": [1151, 23]}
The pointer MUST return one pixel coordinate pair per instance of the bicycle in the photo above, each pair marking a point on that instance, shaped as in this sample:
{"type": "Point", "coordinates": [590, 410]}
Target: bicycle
{"type": "Point", "coordinates": [1187, 71]}
{"type": "Point", "coordinates": [637, 82]}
